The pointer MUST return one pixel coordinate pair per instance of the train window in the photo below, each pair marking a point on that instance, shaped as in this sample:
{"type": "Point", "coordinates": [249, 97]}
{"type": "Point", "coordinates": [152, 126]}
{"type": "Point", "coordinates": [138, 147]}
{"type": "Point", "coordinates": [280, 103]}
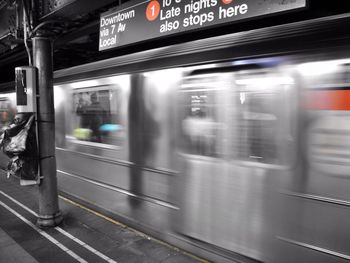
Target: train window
{"type": "Point", "coordinates": [201, 123]}
{"type": "Point", "coordinates": [325, 74]}
{"type": "Point", "coordinates": [96, 116]}
{"type": "Point", "coordinates": [7, 112]}
{"type": "Point", "coordinates": [261, 118]}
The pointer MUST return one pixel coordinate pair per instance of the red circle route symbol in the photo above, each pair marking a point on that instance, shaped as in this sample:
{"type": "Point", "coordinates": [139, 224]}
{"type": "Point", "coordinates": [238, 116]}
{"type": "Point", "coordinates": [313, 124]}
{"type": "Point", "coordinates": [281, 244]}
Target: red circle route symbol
{"type": "Point", "coordinates": [226, 2]}
{"type": "Point", "coordinates": [152, 11]}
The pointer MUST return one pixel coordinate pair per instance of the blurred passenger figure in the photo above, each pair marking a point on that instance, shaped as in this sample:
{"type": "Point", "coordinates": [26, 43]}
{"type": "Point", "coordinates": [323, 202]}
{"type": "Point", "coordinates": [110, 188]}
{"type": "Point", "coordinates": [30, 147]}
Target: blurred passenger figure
{"type": "Point", "coordinates": [201, 130]}
{"type": "Point", "coordinates": [81, 110]}
{"type": "Point", "coordinates": [92, 116]}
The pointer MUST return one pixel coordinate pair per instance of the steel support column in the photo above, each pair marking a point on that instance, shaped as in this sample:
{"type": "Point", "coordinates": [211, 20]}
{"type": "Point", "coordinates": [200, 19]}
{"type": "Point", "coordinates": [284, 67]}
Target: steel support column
{"type": "Point", "coordinates": [49, 213]}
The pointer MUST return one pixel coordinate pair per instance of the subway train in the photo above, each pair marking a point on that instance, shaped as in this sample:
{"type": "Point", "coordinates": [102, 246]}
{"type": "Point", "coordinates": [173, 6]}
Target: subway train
{"type": "Point", "coordinates": [235, 148]}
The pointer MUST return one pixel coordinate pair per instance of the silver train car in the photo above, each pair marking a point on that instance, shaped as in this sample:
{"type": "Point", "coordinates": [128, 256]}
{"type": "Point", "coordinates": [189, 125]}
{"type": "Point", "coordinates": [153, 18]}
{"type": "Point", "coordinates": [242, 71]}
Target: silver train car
{"type": "Point", "coordinates": [234, 147]}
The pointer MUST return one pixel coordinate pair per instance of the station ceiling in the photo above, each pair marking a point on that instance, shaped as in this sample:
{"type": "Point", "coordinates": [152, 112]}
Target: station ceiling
{"type": "Point", "coordinates": [72, 24]}
{"type": "Point", "coordinates": [76, 31]}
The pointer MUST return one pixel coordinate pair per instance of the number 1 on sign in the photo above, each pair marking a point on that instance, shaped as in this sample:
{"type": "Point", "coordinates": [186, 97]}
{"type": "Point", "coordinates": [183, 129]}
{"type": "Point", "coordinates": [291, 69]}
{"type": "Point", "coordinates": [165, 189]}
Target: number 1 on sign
{"type": "Point", "coordinates": [152, 11]}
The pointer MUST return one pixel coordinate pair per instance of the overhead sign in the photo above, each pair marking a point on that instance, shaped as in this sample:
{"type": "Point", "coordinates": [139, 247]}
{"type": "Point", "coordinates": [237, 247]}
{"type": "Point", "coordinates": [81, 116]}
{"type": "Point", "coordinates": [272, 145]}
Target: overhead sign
{"type": "Point", "coordinates": [137, 21]}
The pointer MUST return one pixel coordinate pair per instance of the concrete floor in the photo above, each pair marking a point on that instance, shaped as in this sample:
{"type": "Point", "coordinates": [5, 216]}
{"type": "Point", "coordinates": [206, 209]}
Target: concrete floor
{"type": "Point", "coordinates": [82, 237]}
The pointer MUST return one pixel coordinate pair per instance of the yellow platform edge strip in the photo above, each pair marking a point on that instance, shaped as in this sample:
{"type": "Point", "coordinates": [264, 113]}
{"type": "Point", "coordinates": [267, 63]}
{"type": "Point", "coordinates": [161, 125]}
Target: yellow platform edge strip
{"type": "Point", "coordinates": [132, 229]}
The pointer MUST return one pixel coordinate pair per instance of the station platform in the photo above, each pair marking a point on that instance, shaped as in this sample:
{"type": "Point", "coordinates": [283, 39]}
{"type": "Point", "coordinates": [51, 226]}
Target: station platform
{"type": "Point", "coordinates": [84, 235]}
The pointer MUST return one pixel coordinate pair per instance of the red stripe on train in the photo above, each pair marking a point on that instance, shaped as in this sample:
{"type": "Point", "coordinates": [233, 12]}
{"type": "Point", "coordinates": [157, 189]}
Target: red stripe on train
{"type": "Point", "coordinates": [327, 99]}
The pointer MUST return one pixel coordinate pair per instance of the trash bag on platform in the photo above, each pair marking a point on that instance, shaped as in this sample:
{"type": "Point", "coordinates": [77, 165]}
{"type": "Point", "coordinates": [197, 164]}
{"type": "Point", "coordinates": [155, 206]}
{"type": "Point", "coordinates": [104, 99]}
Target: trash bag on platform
{"type": "Point", "coordinates": [16, 136]}
{"type": "Point", "coordinates": [23, 168]}
{"type": "Point", "coordinates": [20, 144]}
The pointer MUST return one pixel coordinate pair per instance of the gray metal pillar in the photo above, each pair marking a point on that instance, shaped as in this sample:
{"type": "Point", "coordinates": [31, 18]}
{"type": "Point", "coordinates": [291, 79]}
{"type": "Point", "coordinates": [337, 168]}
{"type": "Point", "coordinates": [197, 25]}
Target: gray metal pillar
{"type": "Point", "coordinates": [49, 213]}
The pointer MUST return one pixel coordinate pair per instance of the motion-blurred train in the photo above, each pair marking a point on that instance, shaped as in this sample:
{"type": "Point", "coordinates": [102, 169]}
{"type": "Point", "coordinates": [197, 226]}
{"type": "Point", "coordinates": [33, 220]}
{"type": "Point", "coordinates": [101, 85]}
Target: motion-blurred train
{"type": "Point", "coordinates": [236, 148]}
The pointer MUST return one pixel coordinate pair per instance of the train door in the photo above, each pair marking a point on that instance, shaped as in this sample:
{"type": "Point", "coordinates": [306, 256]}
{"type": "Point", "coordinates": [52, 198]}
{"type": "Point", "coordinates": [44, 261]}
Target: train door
{"type": "Point", "coordinates": [237, 139]}
{"type": "Point", "coordinates": [202, 145]}
{"type": "Point", "coordinates": [264, 118]}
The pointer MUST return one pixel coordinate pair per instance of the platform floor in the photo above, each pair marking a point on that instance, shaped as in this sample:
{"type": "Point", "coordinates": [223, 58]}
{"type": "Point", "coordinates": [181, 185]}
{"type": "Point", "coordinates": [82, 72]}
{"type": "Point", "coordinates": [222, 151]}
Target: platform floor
{"type": "Point", "coordinates": [84, 236]}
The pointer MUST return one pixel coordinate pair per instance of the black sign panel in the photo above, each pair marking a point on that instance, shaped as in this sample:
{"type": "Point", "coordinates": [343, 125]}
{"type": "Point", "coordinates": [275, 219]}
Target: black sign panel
{"type": "Point", "coordinates": [21, 87]}
{"type": "Point", "coordinates": [142, 20]}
